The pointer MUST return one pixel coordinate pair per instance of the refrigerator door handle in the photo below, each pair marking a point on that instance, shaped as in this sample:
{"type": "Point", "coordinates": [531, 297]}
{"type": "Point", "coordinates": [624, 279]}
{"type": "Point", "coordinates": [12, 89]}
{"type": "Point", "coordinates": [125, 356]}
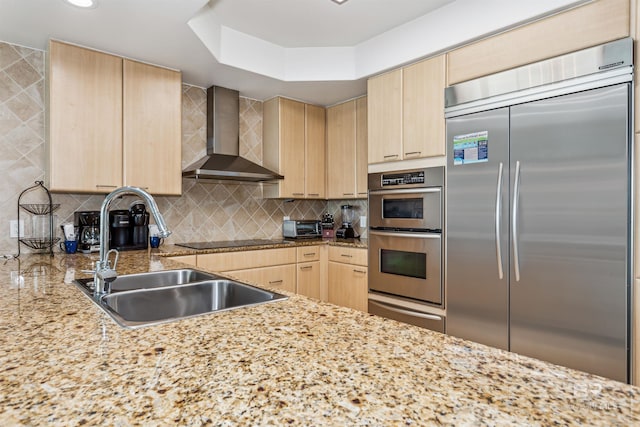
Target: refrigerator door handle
{"type": "Point", "coordinates": [498, 221]}
{"type": "Point", "coordinates": [514, 222]}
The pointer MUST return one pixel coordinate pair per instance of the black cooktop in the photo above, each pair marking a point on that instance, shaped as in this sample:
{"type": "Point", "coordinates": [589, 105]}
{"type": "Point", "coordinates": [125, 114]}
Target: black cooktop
{"type": "Point", "coordinates": [232, 243]}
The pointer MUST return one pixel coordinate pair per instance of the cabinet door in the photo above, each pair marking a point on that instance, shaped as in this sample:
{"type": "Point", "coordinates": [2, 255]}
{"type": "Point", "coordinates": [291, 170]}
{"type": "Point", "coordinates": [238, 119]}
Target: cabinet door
{"type": "Point", "coordinates": [291, 148]}
{"type": "Point", "coordinates": [589, 24]}
{"type": "Point", "coordinates": [348, 285]}
{"type": "Point", "coordinates": [152, 128]}
{"type": "Point", "coordinates": [385, 117]}
{"type": "Point", "coordinates": [315, 164]}
{"type": "Point", "coordinates": [361, 147]}
{"type": "Point", "coordinates": [281, 277]}
{"type": "Point", "coordinates": [85, 120]}
{"type": "Point", "coordinates": [423, 109]}
{"type": "Point", "coordinates": [308, 279]}
{"type": "Point", "coordinates": [341, 150]}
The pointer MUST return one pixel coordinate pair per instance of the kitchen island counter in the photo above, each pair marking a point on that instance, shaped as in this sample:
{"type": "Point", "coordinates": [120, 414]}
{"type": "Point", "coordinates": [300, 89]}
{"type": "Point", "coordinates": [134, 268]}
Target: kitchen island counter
{"type": "Point", "coordinates": [298, 361]}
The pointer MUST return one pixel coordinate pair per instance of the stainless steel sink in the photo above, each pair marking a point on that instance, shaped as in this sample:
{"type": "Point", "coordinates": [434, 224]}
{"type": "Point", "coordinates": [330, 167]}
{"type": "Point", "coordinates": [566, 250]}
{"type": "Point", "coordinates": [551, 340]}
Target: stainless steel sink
{"type": "Point", "coordinates": [154, 279]}
{"type": "Point", "coordinates": [160, 305]}
{"type": "Point", "coordinates": [146, 299]}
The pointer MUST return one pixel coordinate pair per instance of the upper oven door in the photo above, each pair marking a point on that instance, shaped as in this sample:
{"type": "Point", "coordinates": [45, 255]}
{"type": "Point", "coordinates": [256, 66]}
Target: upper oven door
{"type": "Point", "coordinates": [406, 209]}
{"type": "Point", "coordinates": [406, 264]}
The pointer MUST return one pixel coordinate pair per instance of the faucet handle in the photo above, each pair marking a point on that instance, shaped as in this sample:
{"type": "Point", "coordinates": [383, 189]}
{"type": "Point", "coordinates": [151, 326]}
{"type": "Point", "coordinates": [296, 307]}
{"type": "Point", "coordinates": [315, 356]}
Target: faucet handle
{"type": "Point", "coordinates": [115, 260]}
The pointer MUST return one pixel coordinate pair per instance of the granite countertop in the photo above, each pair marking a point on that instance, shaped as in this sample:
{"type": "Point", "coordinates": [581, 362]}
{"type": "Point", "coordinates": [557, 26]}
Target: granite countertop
{"type": "Point", "coordinates": [298, 361]}
{"type": "Point", "coordinates": [175, 250]}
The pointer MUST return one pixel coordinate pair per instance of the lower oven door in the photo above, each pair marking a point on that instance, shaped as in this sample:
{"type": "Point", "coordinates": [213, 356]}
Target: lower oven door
{"type": "Point", "coordinates": [404, 314]}
{"type": "Point", "coordinates": [406, 264]}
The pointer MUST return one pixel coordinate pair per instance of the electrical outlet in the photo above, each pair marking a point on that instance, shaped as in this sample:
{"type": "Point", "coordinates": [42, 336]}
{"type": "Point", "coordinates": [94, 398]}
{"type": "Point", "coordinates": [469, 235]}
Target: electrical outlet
{"type": "Point", "coordinates": [286, 218]}
{"type": "Point", "coordinates": [363, 222]}
{"type": "Point", "coordinates": [13, 228]}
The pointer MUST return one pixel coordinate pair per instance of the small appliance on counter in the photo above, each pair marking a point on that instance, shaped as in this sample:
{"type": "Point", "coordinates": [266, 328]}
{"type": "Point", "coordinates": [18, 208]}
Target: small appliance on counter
{"type": "Point", "coordinates": [327, 223]}
{"type": "Point", "coordinates": [347, 231]}
{"type": "Point", "coordinates": [88, 225]}
{"type": "Point", "coordinates": [129, 229]}
{"type": "Point", "coordinates": [301, 229]}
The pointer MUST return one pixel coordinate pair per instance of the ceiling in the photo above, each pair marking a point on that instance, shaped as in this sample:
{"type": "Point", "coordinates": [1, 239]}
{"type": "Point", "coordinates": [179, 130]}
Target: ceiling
{"type": "Point", "coordinates": [319, 23]}
{"type": "Point", "coordinates": [314, 50]}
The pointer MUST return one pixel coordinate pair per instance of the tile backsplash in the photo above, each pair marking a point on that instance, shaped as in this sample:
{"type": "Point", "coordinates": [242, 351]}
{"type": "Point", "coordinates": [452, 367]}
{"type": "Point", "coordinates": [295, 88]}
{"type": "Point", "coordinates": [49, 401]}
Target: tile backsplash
{"type": "Point", "coordinates": [205, 211]}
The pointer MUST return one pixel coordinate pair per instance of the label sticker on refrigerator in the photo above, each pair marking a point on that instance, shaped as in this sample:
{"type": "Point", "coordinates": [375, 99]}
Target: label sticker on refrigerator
{"type": "Point", "coordinates": [471, 148]}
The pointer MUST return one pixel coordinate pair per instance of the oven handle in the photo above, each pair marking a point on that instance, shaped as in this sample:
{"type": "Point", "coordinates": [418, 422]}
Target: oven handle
{"type": "Point", "coordinates": [406, 191]}
{"type": "Point", "coordinates": [408, 235]}
{"type": "Point", "coordinates": [407, 312]}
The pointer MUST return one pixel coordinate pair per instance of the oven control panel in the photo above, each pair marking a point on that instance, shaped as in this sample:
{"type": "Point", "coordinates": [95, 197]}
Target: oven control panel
{"type": "Point", "coordinates": [406, 179]}
{"type": "Point", "coordinates": [392, 179]}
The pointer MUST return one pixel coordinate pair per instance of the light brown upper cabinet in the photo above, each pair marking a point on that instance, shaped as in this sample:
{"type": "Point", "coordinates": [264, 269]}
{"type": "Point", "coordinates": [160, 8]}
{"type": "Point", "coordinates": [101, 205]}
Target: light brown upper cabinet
{"type": "Point", "coordinates": [293, 145]}
{"type": "Point", "coordinates": [385, 117]}
{"type": "Point", "coordinates": [587, 25]}
{"type": "Point", "coordinates": [112, 122]}
{"type": "Point", "coordinates": [85, 120]}
{"type": "Point", "coordinates": [152, 128]}
{"type": "Point", "coordinates": [314, 152]}
{"type": "Point", "coordinates": [347, 150]}
{"type": "Point", "coordinates": [406, 112]}
{"type": "Point", "coordinates": [423, 108]}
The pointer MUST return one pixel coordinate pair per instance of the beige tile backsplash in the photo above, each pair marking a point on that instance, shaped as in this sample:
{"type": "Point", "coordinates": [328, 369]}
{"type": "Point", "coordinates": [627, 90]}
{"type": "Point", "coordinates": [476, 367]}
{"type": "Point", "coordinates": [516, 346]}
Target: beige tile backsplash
{"type": "Point", "coordinates": [203, 212]}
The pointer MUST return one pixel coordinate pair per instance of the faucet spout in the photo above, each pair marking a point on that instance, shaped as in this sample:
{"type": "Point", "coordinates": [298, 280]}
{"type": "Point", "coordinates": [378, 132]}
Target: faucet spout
{"type": "Point", "coordinates": [104, 273]}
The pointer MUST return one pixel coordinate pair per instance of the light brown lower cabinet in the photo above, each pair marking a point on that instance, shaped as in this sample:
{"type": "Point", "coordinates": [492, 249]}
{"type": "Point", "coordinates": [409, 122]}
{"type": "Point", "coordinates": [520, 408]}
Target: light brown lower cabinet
{"type": "Point", "coordinates": [337, 274]}
{"type": "Point", "coordinates": [187, 259]}
{"type": "Point", "coordinates": [348, 285]}
{"type": "Point", "coordinates": [308, 277]}
{"type": "Point", "coordinates": [277, 277]}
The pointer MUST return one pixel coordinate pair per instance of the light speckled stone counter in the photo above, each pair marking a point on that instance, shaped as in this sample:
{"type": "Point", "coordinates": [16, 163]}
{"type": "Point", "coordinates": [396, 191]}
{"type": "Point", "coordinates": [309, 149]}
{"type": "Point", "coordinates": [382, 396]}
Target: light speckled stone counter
{"type": "Point", "coordinates": [299, 361]}
{"type": "Point", "coordinates": [175, 250]}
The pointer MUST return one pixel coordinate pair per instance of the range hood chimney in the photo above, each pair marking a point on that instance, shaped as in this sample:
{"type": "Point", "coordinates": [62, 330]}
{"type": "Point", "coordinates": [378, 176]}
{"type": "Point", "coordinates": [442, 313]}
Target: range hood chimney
{"type": "Point", "coordinates": [223, 160]}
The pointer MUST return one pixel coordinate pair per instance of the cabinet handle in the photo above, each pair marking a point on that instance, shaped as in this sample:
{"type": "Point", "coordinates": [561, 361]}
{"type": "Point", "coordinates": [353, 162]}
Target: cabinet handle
{"type": "Point", "coordinates": [347, 194]}
{"type": "Point", "coordinates": [411, 153]}
{"type": "Point", "coordinates": [273, 282]}
{"type": "Point", "coordinates": [359, 271]}
{"type": "Point", "coordinates": [306, 267]}
{"type": "Point", "coordinates": [314, 194]}
{"type": "Point", "coordinates": [298, 194]}
{"type": "Point", "coordinates": [106, 186]}
{"type": "Point", "coordinates": [309, 254]}
{"type": "Point", "coordinates": [346, 255]}
{"type": "Point", "coordinates": [391, 156]}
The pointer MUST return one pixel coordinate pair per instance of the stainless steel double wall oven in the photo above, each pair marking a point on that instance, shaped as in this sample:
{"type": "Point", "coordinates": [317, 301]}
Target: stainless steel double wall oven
{"type": "Point", "coordinates": [406, 211]}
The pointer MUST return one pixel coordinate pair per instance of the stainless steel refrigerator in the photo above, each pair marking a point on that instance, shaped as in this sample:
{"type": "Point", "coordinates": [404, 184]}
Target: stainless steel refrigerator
{"type": "Point", "coordinates": [539, 210]}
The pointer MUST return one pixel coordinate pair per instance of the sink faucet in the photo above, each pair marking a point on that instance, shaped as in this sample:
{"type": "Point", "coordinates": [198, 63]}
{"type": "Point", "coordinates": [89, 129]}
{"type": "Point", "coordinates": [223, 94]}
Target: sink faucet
{"type": "Point", "coordinates": [105, 273]}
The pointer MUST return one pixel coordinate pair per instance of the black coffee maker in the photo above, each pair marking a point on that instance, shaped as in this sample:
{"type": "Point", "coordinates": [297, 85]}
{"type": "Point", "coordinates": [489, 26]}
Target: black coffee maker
{"type": "Point", "coordinates": [88, 223]}
{"type": "Point", "coordinates": [129, 229]}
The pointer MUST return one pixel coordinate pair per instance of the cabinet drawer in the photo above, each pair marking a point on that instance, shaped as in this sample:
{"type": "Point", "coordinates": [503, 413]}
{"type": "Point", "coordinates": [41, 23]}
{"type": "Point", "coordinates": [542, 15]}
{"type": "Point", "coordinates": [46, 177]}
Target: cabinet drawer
{"type": "Point", "coordinates": [308, 253]}
{"type": "Point", "coordinates": [241, 260]}
{"type": "Point", "coordinates": [348, 255]}
{"type": "Point", "coordinates": [278, 277]}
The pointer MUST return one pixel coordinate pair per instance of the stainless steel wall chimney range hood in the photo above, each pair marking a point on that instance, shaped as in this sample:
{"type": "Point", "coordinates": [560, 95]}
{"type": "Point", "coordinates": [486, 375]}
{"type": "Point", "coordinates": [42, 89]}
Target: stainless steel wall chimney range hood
{"type": "Point", "coordinates": [223, 160]}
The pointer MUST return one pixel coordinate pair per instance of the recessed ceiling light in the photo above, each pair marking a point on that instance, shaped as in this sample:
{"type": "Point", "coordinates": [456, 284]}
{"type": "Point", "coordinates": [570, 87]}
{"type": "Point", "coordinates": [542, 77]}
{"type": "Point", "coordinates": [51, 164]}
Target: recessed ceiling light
{"type": "Point", "coordinates": [340, 1]}
{"type": "Point", "coordinates": [86, 4]}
